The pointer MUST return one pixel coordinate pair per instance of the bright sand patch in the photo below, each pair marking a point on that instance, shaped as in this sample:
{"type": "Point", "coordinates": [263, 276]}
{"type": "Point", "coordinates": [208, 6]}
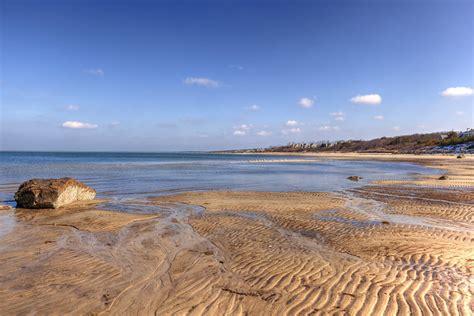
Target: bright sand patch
{"type": "Point", "coordinates": [380, 250]}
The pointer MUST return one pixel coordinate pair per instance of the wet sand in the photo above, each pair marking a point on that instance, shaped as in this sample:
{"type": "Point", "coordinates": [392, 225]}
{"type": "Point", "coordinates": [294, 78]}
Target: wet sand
{"type": "Point", "coordinates": [395, 247]}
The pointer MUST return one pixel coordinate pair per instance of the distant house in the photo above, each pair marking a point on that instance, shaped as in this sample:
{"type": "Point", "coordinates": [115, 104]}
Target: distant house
{"type": "Point", "coordinates": [443, 136]}
{"type": "Point", "coordinates": [468, 132]}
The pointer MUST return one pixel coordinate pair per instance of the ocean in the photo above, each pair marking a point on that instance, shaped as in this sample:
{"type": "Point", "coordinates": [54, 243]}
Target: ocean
{"type": "Point", "coordinates": [136, 175]}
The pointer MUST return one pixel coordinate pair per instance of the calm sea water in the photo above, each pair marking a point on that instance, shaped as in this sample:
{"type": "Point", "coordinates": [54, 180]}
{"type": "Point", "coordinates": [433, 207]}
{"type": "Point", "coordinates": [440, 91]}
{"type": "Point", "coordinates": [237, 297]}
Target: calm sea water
{"type": "Point", "coordinates": [143, 174]}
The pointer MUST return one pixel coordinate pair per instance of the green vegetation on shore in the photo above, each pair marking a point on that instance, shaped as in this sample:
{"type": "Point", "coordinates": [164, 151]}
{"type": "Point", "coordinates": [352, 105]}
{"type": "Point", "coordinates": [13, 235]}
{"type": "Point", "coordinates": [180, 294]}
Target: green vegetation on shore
{"type": "Point", "coordinates": [459, 142]}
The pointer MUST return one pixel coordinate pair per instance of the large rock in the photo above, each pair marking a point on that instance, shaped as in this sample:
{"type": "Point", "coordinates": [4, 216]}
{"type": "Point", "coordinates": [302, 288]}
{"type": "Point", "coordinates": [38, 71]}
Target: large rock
{"type": "Point", "coordinates": [354, 178]}
{"type": "Point", "coordinates": [52, 193]}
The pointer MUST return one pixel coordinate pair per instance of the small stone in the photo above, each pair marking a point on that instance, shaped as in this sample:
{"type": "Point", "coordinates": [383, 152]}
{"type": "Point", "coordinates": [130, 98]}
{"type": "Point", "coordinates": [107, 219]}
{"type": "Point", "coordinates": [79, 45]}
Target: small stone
{"type": "Point", "coordinates": [354, 178]}
{"type": "Point", "coordinates": [443, 177]}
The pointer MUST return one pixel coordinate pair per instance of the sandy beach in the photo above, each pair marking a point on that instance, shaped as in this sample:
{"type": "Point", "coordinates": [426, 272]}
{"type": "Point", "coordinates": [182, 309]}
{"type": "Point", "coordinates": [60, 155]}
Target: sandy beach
{"type": "Point", "coordinates": [391, 248]}
{"type": "Point", "coordinates": [245, 158]}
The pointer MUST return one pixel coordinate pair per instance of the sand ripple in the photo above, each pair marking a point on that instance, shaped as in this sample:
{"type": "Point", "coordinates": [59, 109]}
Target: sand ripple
{"type": "Point", "coordinates": [309, 260]}
{"type": "Point", "coordinates": [379, 250]}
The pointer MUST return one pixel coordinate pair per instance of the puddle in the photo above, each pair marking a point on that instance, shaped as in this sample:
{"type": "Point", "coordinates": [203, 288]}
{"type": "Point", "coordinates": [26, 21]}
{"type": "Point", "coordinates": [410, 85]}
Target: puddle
{"type": "Point", "coordinates": [7, 224]}
{"type": "Point", "coordinates": [343, 220]}
{"type": "Point", "coordinates": [139, 207]}
{"type": "Point", "coordinates": [378, 212]}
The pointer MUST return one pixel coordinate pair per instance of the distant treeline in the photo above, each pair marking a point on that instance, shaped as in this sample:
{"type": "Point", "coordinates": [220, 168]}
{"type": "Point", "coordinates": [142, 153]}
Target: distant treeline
{"type": "Point", "coordinates": [455, 140]}
{"type": "Point", "coordinates": [416, 143]}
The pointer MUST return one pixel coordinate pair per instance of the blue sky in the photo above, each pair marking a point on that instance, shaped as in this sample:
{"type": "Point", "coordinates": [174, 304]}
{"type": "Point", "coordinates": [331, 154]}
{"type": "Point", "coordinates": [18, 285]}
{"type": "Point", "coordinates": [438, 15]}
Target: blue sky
{"type": "Point", "coordinates": [201, 75]}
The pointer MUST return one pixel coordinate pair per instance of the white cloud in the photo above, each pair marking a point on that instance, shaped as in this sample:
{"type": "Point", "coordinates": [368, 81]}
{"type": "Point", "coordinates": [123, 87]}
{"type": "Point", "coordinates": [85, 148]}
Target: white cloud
{"type": "Point", "coordinates": [264, 133]}
{"type": "Point", "coordinates": [306, 103]}
{"type": "Point", "coordinates": [292, 123]}
{"type": "Point", "coordinates": [203, 82]}
{"type": "Point", "coordinates": [459, 113]}
{"type": "Point", "coordinates": [396, 128]}
{"type": "Point", "coordinates": [457, 92]}
{"type": "Point", "coordinates": [242, 129]}
{"type": "Point", "coordinates": [326, 128]}
{"type": "Point", "coordinates": [338, 116]}
{"type": "Point", "coordinates": [72, 107]}
{"type": "Point", "coordinates": [253, 108]}
{"type": "Point", "coordinates": [379, 117]}
{"type": "Point", "coordinates": [293, 130]}
{"type": "Point", "coordinates": [368, 99]}
{"type": "Point", "coordinates": [245, 127]}
{"type": "Point", "coordinates": [79, 125]}
{"type": "Point", "coordinates": [95, 72]}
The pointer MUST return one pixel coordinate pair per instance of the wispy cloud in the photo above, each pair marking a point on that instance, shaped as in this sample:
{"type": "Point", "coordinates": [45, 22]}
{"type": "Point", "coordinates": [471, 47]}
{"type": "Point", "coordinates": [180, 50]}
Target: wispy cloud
{"type": "Point", "coordinates": [95, 72]}
{"type": "Point", "coordinates": [79, 125]}
{"type": "Point", "coordinates": [292, 127]}
{"type": "Point", "coordinates": [72, 107]}
{"type": "Point", "coordinates": [459, 113]}
{"type": "Point", "coordinates": [203, 82]}
{"type": "Point", "coordinates": [306, 102]}
{"type": "Point", "coordinates": [457, 92]}
{"type": "Point", "coordinates": [264, 133]}
{"type": "Point", "coordinates": [379, 117]}
{"type": "Point", "coordinates": [396, 128]}
{"type": "Point", "coordinates": [338, 116]}
{"type": "Point", "coordinates": [293, 130]}
{"type": "Point", "coordinates": [245, 127]}
{"type": "Point", "coordinates": [327, 128]}
{"type": "Point", "coordinates": [367, 99]}
{"type": "Point", "coordinates": [242, 129]}
{"type": "Point", "coordinates": [292, 123]}
{"type": "Point", "coordinates": [253, 108]}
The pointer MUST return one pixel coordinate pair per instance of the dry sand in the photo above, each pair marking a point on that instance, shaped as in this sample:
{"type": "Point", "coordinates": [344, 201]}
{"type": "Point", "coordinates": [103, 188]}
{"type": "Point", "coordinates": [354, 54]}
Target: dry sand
{"type": "Point", "coordinates": [393, 248]}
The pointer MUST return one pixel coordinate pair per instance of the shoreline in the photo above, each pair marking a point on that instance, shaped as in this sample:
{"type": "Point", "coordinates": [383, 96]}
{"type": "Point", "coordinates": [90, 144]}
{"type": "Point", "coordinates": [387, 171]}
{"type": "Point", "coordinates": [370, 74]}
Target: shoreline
{"type": "Point", "coordinates": [459, 172]}
{"type": "Point", "coordinates": [357, 155]}
{"type": "Point", "coordinates": [428, 160]}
